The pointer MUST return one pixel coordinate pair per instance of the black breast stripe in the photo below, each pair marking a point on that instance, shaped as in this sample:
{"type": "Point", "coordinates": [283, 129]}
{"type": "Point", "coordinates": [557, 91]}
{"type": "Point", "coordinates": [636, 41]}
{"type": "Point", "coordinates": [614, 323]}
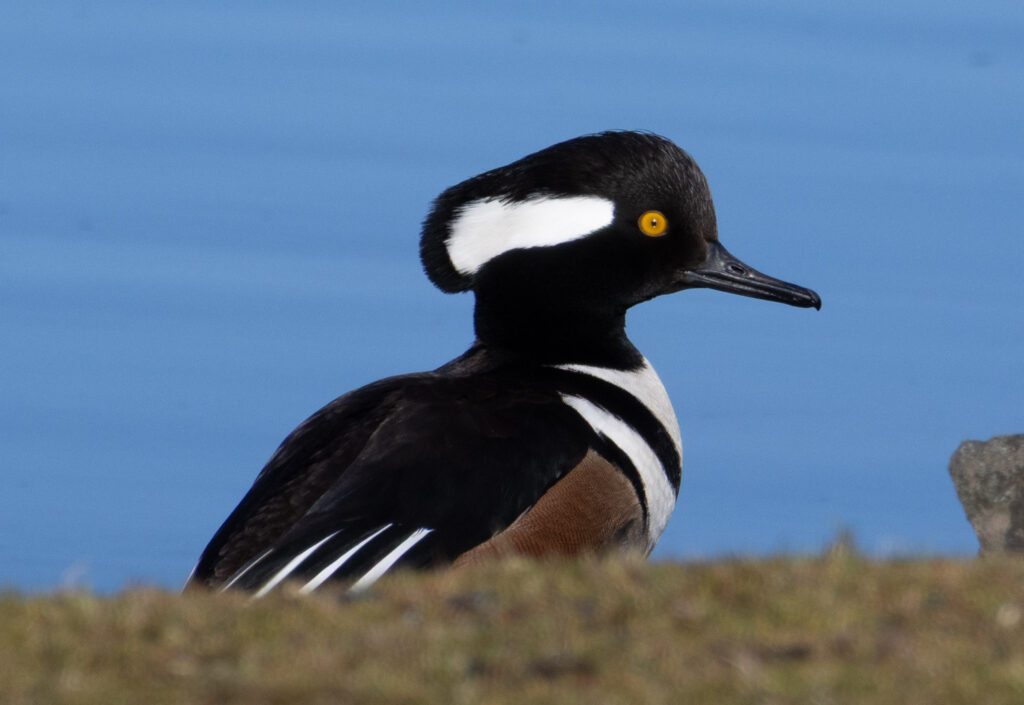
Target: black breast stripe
{"type": "Point", "coordinates": [635, 413]}
{"type": "Point", "coordinates": [620, 459]}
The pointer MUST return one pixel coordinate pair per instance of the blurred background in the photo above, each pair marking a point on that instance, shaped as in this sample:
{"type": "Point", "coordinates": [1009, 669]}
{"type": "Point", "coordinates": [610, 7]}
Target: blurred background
{"type": "Point", "coordinates": [209, 221]}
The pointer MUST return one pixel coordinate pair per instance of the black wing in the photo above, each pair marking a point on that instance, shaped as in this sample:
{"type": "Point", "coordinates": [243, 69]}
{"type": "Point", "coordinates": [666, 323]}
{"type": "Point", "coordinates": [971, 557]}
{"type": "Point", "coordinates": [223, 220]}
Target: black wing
{"type": "Point", "coordinates": [413, 471]}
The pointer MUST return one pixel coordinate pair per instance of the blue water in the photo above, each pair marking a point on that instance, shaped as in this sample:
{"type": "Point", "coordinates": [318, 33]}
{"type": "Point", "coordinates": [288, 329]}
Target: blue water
{"type": "Point", "coordinates": [209, 221]}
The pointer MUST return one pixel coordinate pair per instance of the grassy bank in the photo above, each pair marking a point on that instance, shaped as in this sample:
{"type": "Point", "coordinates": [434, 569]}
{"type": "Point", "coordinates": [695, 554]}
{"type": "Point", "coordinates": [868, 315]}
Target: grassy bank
{"type": "Point", "coordinates": [836, 629]}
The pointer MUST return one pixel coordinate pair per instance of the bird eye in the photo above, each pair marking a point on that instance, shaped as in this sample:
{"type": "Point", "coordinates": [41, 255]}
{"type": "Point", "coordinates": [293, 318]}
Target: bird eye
{"type": "Point", "coordinates": [653, 223]}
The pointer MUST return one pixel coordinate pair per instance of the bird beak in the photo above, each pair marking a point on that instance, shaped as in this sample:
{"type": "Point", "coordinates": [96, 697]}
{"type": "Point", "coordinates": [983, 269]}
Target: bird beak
{"type": "Point", "coordinates": [724, 272]}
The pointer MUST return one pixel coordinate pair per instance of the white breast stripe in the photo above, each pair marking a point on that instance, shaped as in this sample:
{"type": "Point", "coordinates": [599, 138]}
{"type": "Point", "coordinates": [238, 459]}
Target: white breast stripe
{"type": "Point", "coordinates": [371, 576]}
{"type": "Point", "coordinates": [333, 567]}
{"type": "Point", "coordinates": [661, 499]}
{"type": "Point", "coordinates": [646, 386]}
{"type": "Point", "coordinates": [245, 569]}
{"type": "Point", "coordinates": [292, 565]}
{"type": "Point", "coordinates": [486, 228]}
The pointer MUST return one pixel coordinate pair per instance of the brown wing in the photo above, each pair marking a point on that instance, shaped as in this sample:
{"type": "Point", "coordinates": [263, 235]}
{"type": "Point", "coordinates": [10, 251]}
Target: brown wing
{"type": "Point", "coordinates": [593, 508]}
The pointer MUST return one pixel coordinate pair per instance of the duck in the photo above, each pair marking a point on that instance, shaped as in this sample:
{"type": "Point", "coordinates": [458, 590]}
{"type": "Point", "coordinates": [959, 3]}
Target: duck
{"type": "Point", "coordinates": [552, 435]}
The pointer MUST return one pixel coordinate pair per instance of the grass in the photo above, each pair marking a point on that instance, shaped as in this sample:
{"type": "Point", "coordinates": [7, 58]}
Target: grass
{"type": "Point", "coordinates": [832, 629]}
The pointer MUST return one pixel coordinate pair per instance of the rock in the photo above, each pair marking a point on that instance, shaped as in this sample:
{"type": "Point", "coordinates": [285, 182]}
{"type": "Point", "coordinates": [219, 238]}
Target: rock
{"type": "Point", "coordinates": [989, 479]}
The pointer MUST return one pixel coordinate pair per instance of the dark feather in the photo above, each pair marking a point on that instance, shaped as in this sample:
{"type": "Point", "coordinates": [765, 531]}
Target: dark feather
{"type": "Point", "coordinates": [403, 451]}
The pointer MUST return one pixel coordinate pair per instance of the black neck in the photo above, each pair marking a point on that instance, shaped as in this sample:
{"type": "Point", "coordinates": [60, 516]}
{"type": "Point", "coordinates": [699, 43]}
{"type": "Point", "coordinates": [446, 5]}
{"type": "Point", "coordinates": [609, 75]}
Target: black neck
{"type": "Point", "coordinates": [538, 332]}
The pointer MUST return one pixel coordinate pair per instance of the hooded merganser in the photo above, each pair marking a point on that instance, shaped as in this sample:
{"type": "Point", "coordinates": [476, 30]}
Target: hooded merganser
{"type": "Point", "coordinates": [552, 434]}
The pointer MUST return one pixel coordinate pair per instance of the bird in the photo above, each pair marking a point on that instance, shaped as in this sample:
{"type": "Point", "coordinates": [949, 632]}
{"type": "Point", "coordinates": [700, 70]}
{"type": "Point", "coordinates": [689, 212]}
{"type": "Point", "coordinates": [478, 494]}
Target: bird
{"type": "Point", "coordinates": [552, 435]}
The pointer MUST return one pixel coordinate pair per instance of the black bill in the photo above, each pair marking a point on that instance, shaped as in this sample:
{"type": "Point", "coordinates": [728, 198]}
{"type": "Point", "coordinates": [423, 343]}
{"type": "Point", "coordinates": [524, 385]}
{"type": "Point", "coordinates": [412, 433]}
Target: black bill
{"type": "Point", "coordinates": [724, 272]}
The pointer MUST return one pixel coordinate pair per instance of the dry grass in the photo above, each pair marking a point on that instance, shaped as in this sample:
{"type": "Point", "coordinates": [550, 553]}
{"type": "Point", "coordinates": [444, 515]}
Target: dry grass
{"type": "Point", "coordinates": [836, 629]}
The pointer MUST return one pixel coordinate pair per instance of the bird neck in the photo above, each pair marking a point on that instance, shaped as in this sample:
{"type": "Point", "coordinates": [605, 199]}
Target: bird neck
{"type": "Point", "coordinates": [537, 330]}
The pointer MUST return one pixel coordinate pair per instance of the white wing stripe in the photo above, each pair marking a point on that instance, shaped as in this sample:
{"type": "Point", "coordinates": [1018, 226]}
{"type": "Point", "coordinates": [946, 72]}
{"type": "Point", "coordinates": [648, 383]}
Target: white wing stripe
{"type": "Point", "coordinates": [245, 569]}
{"type": "Point", "coordinates": [333, 567]}
{"type": "Point", "coordinates": [292, 565]}
{"type": "Point", "coordinates": [389, 560]}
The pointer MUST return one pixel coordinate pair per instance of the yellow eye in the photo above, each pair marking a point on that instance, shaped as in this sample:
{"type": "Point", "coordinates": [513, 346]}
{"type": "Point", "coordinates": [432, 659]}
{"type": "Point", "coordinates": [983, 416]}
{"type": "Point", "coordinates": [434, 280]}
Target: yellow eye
{"type": "Point", "coordinates": [653, 223]}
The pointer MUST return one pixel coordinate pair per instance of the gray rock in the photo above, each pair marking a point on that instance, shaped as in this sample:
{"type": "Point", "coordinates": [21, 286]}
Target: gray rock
{"type": "Point", "coordinates": [989, 479]}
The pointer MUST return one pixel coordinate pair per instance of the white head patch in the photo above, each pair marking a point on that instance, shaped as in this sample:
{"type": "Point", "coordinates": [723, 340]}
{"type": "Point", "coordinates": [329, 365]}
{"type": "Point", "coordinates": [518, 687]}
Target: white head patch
{"type": "Point", "coordinates": [488, 227]}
